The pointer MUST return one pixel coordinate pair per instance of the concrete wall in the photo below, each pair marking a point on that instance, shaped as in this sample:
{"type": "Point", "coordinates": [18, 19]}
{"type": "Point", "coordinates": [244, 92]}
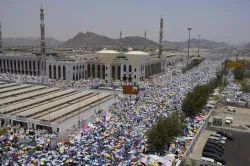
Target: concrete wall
{"type": "Point", "coordinates": [197, 136]}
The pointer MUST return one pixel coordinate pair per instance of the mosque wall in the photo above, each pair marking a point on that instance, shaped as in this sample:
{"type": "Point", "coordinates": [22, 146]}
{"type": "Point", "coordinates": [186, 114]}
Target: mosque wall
{"type": "Point", "coordinates": [77, 70]}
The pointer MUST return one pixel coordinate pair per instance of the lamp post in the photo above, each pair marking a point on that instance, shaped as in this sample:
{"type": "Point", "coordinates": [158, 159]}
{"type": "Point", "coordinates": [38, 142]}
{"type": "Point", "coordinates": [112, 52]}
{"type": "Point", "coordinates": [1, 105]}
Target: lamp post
{"type": "Point", "coordinates": [189, 29]}
{"type": "Point", "coordinates": [199, 45]}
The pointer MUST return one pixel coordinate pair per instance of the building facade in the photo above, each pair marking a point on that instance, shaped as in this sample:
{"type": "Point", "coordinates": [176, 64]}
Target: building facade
{"type": "Point", "coordinates": [18, 64]}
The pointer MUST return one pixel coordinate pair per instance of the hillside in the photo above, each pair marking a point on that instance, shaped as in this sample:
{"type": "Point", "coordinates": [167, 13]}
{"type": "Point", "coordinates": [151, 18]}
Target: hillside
{"type": "Point", "coordinates": [204, 43]}
{"type": "Point", "coordinates": [90, 39]}
{"type": "Point", "coordinates": [30, 41]}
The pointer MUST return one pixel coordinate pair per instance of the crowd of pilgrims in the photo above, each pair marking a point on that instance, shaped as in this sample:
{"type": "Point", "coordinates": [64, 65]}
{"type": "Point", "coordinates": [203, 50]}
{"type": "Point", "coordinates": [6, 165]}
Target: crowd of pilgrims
{"type": "Point", "coordinates": [117, 138]}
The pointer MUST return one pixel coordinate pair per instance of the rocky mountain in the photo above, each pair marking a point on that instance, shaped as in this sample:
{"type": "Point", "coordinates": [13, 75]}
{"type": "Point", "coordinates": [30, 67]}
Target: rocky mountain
{"type": "Point", "coordinates": [204, 43]}
{"type": "Point", "coordinates": [30, 41]}
{"type": "Point", "coordinates": [90, 39]}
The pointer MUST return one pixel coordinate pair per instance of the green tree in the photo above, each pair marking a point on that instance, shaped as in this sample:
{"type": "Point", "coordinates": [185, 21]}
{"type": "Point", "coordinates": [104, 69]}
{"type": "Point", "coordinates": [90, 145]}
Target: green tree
{"type": "Point", "coordinates": [158, 136]}
{"type": "Point", "coordinates": [165, 130]}
{"type": "Point", "coordinates": [195, 100]}
{"type": "Point", "coordinates": [3, 130]}
{"type": "Point", "coordinates": [244, 86]}
{"type": "Point", "coordinates": [239, 73]}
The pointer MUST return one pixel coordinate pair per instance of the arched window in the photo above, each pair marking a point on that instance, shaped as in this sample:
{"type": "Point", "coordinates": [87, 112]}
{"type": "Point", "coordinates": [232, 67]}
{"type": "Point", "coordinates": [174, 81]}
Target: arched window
{"type": "Point", "coordinates": [38, 66]}
{"type": "Point", "coordinates": [59, 72]}
{"type": "Point", "coordinates": [89, 71]}
{"type": "Point", "coordinates": [74, 76]}
{"type": "Point", "coordinates": [30, 69]}
{"type": "Point", "coordinates": [22, 66]}
{"type": "Point", "coordinates": [77, 67]}
{"type": "Point", "coordinates": [83, 66]}
{"type": "Point", "coordinates": [50, 72]}
{"type": "Point", "coordinates": [11, 66]}
{"type": "Point", "coordinates": [130, 68]}
{"type": "Point", "coordinates": [34, 67]}
{"type": "Point", "coordinates": [103, 71]}
{"type": "Point", "coordinates": [119, 72]}
{"type": "Point", "coordinates": [73, 67]}
{"type": "Point", "coordinates": [124, 68]}
{"type": "Point", "coordinates": [93, 71]}
{"type": "Point", "coordinates": [54, 68]}
{"type": "Point", "coordinates": [64, 73]}
{"type": "Point", "coordinates": [99, 71]}
{"type": "Point", "coordinates": [113, 72]}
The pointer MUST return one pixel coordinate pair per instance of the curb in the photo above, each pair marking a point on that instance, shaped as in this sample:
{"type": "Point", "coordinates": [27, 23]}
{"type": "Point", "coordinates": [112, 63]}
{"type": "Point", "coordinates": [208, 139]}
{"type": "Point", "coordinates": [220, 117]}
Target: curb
{"type": "Point", "coordinates": [230, 129]}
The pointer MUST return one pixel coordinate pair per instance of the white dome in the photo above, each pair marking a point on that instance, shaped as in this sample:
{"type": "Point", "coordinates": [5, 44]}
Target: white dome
{"type": "Point", "coordinates": [130, 49]}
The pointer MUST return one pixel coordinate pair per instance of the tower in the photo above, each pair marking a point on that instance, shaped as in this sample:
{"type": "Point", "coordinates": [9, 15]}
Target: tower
{"type": "Point", "coordinates": [161, 37]}
{"type": "Point", "coordinates": [145, 36]}
{"type": "Point", "coordinates": [1, 43]}
{"type": "Point", "coordinates": [120, 49]}
{"type": "Point", "coordinates": [43, 53]}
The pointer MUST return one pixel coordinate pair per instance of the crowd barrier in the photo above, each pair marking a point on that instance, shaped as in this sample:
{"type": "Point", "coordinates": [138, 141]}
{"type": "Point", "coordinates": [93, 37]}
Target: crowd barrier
{"type": "Point", "coordinates": [197, 136]}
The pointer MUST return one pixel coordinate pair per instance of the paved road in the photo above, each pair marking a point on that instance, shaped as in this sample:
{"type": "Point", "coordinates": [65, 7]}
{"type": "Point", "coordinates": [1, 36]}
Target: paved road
{"type": "Point", "coordinates": [198, 148]}
{"type": "Point", "coordinates": [237, 151]}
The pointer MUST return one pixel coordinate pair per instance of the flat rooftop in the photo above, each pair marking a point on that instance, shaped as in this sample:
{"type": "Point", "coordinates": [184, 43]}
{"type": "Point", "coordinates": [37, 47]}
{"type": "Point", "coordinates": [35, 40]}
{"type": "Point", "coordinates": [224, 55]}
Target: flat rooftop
{"type": "Point", "coordinates": [41, 103]}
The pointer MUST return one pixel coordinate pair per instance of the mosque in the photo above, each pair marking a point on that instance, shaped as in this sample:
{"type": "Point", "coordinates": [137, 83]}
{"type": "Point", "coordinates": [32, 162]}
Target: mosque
{"type": "Point", "coordinates": [131, 66]}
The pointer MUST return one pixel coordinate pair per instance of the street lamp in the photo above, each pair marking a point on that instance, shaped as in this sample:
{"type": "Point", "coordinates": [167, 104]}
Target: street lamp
{"type": "Point", "coordinates": [199, 45]}
{"type": "Point", "coordinates": [189, 29]}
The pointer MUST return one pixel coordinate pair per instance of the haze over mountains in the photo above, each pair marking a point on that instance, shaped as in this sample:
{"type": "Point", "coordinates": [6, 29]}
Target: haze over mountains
{"type": "Point", "coordinates": [90, 39]}
{"type": "Point", "coordinates": [30, 41]}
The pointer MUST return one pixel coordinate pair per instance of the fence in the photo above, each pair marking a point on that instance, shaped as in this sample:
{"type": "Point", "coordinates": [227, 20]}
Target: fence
{"type": "Point", "coordinates": [197, 136]}
{"type": "Point", "coordinates": [240, 105]}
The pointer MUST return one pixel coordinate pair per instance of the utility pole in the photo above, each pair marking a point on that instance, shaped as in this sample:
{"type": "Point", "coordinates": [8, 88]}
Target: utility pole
{"type": "Point", "coordinates": [199, 45]}
{"type": "Point", "coordinates": [189, 29]}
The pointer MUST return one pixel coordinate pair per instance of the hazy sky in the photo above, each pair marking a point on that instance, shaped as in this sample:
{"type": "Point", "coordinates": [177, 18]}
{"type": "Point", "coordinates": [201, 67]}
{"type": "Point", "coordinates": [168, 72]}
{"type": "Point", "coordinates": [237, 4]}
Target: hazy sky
{"type": "Point", "coordinates": [218, 20]}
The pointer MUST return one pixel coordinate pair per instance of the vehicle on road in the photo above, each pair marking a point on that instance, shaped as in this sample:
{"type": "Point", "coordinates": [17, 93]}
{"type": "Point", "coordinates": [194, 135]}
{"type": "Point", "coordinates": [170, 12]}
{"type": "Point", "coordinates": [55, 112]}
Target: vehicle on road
{"type": "Point", "coordinates": [217, 139]}
{"type": "Point", "coordinates": [219, 136]}
{"type": "Point", "coordinates": [222, 161]}
{"type": "Point", "coordinates": [206, 159]}
{"type": "Point", "coordinates": [225, 134]}
{"type": "Point", "coordinates": [214, 147]}
{"type": "Point", "coordinates": [221, 145]}
{"type": "Point", "coordinates": [210, 155]}
{"type": "Point", "coordinates": [230, 109]}
{"type": "Point", "coordinates": [211, 150]}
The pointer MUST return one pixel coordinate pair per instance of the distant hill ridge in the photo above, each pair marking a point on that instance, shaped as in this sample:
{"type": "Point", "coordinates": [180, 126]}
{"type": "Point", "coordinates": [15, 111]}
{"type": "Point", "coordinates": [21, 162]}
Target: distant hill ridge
{"type": "Point", "coordinates": [90, 39]}
{"type": "Point", "coordinates": [30, 41]}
